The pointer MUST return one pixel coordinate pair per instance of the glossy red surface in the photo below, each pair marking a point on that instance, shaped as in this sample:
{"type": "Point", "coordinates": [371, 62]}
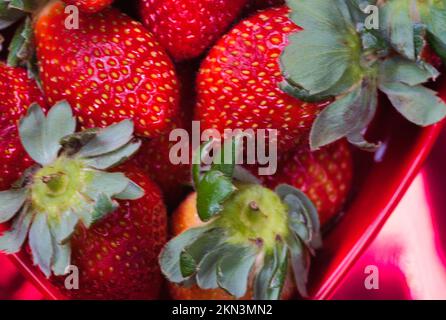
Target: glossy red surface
{"type": "Point", "coordinates": [381, 181]}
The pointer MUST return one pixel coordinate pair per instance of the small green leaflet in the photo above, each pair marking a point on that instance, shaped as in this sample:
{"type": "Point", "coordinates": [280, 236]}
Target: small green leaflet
{"type": "Point", "coordinates": [41, 135]}
{"type": "Point", "coordinates": [213, 190]}
{"type": "Point", "coordinates": [170, 257]}
{"type": "Point", "coordinates": [417, 104]}
{"type": "Point", "coordinates": [233, 269]}
{"type": "Point", "coordinates": [397, 22]}
{"type": "Point", "coordinates": [10, 203]}
{"type": "Point", "coordinates": [268, 283]}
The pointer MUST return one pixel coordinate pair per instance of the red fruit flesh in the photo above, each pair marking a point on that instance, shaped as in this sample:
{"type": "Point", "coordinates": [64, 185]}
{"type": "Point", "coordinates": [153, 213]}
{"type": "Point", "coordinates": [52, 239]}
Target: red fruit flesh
{"type": "Point", "coordinates": [238, 84]}
{"type": "Point", "coordinates": [118, 256]}
{"type": "Point", "coordinates": [109, 69]}
{"type": "Point", "coordinates": [90, 6]}
{"type": "Point", "coordinates": [325, 176]}
{"type": "Point", "coordinates": [186, 28]}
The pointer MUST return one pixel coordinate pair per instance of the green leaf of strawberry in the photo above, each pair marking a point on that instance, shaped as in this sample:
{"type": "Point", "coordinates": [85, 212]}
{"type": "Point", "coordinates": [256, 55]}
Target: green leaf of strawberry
{"type": "Point", "coordinates": [234, 268]}
{"type": "Point", "coordinates": [418, 104]}
{"type": "Point", "coordinates": [8, 15]}
{"type": "Point", "coordinates": [214, 189]}
{"type": "Point", "coordinates": [246, 230]}
{"type": "Point", "coordinates": [10, 202]}
{"type": "Point", "coordinates": [171, 255]}
{"type": "Point", "coordinates": [336, 57]}
{"type": "Point", "coordinates": [396, 21]}
{"type": "Point", "coordinates": [41, 136]}
{"type": "Point", "coordinates": [20, 49]}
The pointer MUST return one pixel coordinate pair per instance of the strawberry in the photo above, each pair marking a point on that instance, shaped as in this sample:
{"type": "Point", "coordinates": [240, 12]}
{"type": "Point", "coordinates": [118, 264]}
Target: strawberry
{"type": "Point", "coordinates": [17, 93]}
{"type": "Point", "coordinates": [154, 159]}
{"type": "Point", "coordinates": [348, 56]}
{"type": "Point", "coordinates": [325, 176]}
{"type": "Point", "coordinates": [238, 83]}
{"type": "Point", "coordinates": [90, 6]}
{"type": "Point", "coordinates": [186, 28]}
{"type": "Point", "coordinates": [118, 255]}
{"type": "Point", "coordinates": [14, 159]}
{"type": "Point", "coordinates": [154, 156]}
{"type": "Point", "coordinates": [109, 69]}
{"type": "Point", "coordinates": [250, 238]}
{"type": "Point", "coordinates": [185, 218]}
{"type": "Point", "coordinates": [110, 225]}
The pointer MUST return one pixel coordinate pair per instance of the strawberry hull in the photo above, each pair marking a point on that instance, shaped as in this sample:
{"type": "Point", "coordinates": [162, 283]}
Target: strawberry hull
{"type": "Point", "coordinates": [390, 172]}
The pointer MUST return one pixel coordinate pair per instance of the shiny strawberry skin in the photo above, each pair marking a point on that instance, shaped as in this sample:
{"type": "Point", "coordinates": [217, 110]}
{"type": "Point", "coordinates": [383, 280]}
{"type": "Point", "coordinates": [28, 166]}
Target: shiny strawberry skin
{"type": "Point", "coordinates": [117, 257]}
{"type": "Point", "coordinates": [238, 83]}
{"type": "Point", "coordinates": [173, 179]}
{"type": "Point", "coordinates": [90, 6]}
{"type": "Point", "coordinates": [186, 28]}
{"type": "Point", "coordinates": [17, 93]}
{"type": "Point", "coordinates": [109, 69]}
{"type": "Point", "coordinates": [325, 176]}
{"type": "Point", "coordinates": [153, 156]}
{"type": "Point", "coordinates": [13, 158]}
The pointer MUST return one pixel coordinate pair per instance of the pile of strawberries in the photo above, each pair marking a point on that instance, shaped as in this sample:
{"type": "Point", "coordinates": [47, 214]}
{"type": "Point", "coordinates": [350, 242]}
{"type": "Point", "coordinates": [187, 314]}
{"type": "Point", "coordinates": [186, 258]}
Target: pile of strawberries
{"type": "Point", "coordinates": [161, 64]}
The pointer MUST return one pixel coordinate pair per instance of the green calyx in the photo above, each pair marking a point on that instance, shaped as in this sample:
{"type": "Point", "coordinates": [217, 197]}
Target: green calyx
{"type": "Point", "coordinates": [248, 229]}
{"type": "Point", "coordinates": [67, 187]}
{"type": "Point", "coordinates": [348, 53]}
{"type": "Point", "coordinates": [254, 214]}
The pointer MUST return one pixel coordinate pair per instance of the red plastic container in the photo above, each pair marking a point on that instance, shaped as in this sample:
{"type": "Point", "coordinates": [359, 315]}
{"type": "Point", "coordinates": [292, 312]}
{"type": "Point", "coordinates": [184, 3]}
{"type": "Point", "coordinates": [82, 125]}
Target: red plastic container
{"type": "Point", "coordinates": [381, 180]}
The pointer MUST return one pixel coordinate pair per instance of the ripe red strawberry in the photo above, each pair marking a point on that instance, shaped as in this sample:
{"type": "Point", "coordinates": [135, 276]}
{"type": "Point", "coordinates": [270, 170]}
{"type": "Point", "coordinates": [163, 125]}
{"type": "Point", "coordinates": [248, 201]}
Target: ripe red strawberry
{"type": "Point", "coordinates": [117, 257]}
{"type": "Point", "coordinates": [109, 69]}
{"type": "Point", "coordinates": [236, 226]}
{"type": "Point", "coordinates": [325, 176]}
{"type": "Point", "coordinates": [14, 159]}
{"type": "Point", "coordinates": [17, 92]}
{"type": "Point", "coordinates": [90, 6]}
{"type": "Point", "coordinates": [185, 218]}
{"type": "Point", "coordinates": [154, 155]}
{"type": "Point", "coordinates": [173, 179]}
{"type": "Point", "coordinates": [186, 28]}
{"type": "Point", "coordinates": [110, 225]}
{"type": "Point", "coordinates": [238, 84]}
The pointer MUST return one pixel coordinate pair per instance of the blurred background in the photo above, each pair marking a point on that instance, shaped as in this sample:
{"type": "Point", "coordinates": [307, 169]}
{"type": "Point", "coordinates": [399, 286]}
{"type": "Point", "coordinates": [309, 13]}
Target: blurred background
{"type": "Point", "coordinates": [409, 252]}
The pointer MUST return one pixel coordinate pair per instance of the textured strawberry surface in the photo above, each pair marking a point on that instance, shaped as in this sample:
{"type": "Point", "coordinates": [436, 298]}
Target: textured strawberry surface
{"type": "Point", "coordinates": [154, 155]}
{"type": "Point", "coordinates": [186, 28]}
{"type": "Point", "coordinates": [238, 82]}
{"type": "Point", "coordinates": [118, 256]}
{"type": "Point", "coordinates": [17, 93]}
{"type": "Point", "coordinates": [109, 69]}
{"type": "Point", "coordinates": [14, 159]}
